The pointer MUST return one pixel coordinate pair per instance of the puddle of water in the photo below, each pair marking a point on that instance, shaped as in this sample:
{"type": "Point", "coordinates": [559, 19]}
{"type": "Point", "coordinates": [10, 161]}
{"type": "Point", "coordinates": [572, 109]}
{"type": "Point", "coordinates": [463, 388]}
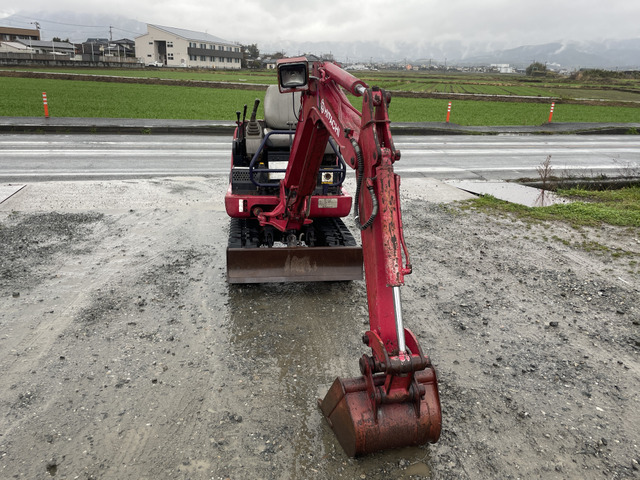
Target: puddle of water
{"type": "Point", "coordinates": [300, 337]}
{"type": "Point", "coordinates": [412, 461]}
{"type": "Point", "coordinates": [417, 469]}
{"type": "Point", "coordinates": [511, 192]}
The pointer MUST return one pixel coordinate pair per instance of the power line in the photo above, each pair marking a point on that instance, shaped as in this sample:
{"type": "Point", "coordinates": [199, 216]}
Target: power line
{"type": "Point", "coordinates": [104, 27]}
{"type": "Point", "coordinates": [61, 23]}
{"type": "Point", "coordinates": [127, 31]}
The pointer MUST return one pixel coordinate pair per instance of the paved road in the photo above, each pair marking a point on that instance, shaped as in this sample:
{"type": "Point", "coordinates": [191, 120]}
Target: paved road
{"type": "Point", "coordinates": [508, 157]}
{"type": "Point", "coordinates": [37, 157]}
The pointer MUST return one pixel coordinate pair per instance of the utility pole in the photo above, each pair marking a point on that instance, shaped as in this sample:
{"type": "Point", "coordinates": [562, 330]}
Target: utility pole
{"type": "Point", "coordinates": [38, 27]}
{"type": "Point", "coordinates": [39, 37]}
{"type": "Point", "coordinates": [110, 33]}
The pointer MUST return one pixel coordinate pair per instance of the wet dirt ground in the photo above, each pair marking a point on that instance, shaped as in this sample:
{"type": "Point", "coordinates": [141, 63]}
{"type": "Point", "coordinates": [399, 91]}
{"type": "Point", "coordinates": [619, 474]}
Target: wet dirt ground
{"type": "Point", "coordinates": [124, 354]}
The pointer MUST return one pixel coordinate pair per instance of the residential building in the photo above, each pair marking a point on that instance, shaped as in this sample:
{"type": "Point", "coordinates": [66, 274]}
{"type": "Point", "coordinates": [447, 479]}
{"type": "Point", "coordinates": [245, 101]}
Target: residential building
{"type": "Point", "coordinates": [94, 49]}
{"type": "Point", "coordinates": [176, 47]}
{"type": "Point", "coordinates": [124, 47]}
{"type": "Point", "coordinates": [44, 46]}
{"type": "Point", "coordinates": [11, 34]}
{"type": "Point", "coordinates": [503, 67]}
{"type": "Point", "coordinates": [14, 47]}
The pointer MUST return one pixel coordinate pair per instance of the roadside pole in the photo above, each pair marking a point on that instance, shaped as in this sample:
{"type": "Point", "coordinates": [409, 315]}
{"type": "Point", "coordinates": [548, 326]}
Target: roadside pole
{"type": "Point", "coordinates": [46, 106]}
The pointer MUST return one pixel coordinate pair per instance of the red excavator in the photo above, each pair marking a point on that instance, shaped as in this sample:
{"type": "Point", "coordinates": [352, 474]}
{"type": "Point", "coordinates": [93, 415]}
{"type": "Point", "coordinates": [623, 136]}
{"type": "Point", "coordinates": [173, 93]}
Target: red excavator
{"type": "Point", "coordinates": [286, 201]}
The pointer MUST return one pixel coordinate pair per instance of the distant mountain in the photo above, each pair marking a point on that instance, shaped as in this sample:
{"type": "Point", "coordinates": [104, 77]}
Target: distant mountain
{"type": "Point", "coordinates": [623, 54]}
{"type": "Point", "coordinates": [358, 51]}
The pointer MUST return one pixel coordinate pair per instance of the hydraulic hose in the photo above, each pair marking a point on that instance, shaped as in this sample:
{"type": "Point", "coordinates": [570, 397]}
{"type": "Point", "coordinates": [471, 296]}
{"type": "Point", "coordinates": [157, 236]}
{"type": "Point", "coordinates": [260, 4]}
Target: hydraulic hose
{"type": "Point", "coordinates": [359, 178]}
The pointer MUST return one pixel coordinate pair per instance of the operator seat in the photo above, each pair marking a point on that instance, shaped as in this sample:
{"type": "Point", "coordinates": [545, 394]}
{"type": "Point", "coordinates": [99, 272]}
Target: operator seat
{"type": "Point", "coordinates": [281, 112]}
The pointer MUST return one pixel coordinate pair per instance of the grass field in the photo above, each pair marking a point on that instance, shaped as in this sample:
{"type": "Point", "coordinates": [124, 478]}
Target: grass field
{"type": "Point", "coordinates": [618, 89]}
{"type": "Point", "coordinates": [614, 207]}
{"type": "Point", "coordinates": [235, 76]}
{"type": "Point", "coordinates": [66, 98]}
{"type": "Point", "coordinates": [70, 98]}
{"type": "Point", "coordinates": [468, 112]}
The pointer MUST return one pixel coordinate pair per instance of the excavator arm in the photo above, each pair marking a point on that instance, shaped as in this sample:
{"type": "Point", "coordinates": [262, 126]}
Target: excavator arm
{"type": "Point", "coordinates": [395, 403]}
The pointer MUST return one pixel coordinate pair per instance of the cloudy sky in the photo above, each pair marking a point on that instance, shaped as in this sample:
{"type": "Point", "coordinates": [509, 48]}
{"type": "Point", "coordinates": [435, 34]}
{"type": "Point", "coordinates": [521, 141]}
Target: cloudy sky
{"type": "Point", "coordinates": [501, 23]}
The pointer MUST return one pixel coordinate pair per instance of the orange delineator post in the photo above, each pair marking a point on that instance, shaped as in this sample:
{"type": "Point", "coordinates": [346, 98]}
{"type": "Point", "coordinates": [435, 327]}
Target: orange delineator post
{"type": "Point", "coordinates": [553, 104]}
{"type": "Point", "coordinates": [448, 112]}
{"type": "Point", "coordinates": [46, 106]}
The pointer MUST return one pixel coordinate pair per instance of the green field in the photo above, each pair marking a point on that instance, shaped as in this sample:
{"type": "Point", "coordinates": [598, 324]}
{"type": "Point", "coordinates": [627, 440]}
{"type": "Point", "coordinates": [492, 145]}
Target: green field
{"type": "Point", "coordinates": [71, 98]}
{"type": "Point", "coordinates": [469, 112]}
{"type": "Point", "coordinates": [617, 89]}
{"type": "Point", "coordinates": [235, 76]}
{"type": "Point", "coordinates": [67, 98]}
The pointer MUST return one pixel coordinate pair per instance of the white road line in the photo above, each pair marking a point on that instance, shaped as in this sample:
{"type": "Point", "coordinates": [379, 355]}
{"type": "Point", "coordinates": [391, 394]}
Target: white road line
{"type": "Point", "coordinates": [521, 151]}
{"type": "Point", "coordinates": [114, 153]}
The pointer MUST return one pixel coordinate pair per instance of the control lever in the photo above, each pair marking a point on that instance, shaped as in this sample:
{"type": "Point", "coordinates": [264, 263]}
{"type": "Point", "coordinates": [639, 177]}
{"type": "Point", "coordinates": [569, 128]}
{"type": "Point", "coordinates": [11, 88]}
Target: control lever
{"type": "Point", "coordinates": [253, 128]}
{"type": "Point", "coordinates": [255, 110]}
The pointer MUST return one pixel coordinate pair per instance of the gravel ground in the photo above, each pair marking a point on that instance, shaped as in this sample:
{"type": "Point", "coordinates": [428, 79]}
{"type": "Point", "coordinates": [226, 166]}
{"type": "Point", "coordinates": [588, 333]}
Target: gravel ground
{"type": "Point", "coordinates": [125, 354]}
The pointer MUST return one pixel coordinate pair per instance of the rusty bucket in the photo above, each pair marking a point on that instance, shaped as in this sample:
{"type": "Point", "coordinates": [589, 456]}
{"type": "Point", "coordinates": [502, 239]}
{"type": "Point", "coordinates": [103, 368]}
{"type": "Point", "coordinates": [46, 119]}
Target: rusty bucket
{"type": "Point", "coordinates": [361, 431]}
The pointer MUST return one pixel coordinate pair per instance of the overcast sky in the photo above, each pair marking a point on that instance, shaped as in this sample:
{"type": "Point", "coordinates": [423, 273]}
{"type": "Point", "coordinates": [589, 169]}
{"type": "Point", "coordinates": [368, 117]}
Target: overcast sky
{"type": "Point", "coordinates": [502, 23]}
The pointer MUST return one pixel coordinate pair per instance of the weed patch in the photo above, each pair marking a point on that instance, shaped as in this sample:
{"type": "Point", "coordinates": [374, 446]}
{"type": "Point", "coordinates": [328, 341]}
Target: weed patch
{"type": "Point", "coordinates": [614, 207]}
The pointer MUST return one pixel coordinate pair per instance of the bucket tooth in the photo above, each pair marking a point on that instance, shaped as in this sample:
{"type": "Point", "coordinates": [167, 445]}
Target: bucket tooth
{"type": "Point", "coordinates": [360, 431]}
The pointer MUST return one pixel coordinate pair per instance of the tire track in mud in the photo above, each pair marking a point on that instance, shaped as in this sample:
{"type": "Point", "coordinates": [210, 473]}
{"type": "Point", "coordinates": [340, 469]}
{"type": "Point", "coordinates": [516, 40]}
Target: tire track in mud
{"type": "Point", "coordinates": [76, 290]}
{"type": "Point", "coordinates": [156, 281]}
{"type": "Point", "coordinates": [50, 238]}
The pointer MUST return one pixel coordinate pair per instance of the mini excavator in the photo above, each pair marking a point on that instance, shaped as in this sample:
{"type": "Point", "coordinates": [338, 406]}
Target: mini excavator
{"type": "Point", "coordinates": [286, 202]}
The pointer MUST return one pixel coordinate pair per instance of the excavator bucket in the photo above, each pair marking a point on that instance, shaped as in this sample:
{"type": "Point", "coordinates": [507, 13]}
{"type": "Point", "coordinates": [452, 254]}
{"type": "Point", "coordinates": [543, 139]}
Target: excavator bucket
{"type": "Point", "coordinates": [361, 430]}
{"type": "Point", "coordinates": [294, 264]}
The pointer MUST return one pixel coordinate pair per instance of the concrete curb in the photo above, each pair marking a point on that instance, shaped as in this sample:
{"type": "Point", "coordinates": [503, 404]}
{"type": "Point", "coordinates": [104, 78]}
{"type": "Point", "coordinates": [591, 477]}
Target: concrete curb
{"type": "Point", "coordinates": [68, 125]}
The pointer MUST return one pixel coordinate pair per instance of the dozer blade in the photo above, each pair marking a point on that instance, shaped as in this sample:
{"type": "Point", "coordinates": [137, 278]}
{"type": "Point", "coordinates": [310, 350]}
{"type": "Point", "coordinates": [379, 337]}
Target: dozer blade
{"type": "Point", "coordinates": [360, 431]}
{"type": "Point", "coordinates": [294, 264]}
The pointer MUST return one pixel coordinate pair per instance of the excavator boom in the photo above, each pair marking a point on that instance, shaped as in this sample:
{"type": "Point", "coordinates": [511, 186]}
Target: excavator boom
{"type": "Point", "coordinates": [395, 402]}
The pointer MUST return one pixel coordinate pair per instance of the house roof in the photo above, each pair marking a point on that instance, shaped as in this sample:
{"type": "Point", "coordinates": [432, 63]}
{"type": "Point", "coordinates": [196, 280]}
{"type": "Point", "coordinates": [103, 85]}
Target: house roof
{"type": "Point", "coordinates": [45, 43]}
{"type": "Point", "coordinates": [16, 45]}
{"type": "Point", "coordinates": [192, 35]}
{"type": "Point", "coordinates": [20, 31]}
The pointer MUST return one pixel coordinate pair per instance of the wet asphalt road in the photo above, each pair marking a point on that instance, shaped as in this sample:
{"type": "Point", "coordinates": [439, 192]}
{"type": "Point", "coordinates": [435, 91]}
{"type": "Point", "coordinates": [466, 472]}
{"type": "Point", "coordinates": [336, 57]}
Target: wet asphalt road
{"type": "Point", "coordinates": [26, 157]}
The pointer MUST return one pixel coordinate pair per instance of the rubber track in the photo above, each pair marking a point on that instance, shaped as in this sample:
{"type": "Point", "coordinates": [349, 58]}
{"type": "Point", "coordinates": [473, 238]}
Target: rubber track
{"type": "Point", "coordinates": [330, 232]}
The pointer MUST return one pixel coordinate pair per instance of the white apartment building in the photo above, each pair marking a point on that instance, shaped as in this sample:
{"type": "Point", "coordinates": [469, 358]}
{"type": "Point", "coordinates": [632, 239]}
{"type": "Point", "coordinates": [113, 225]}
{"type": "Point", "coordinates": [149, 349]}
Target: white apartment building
{"type": "Point", "coordinates": [176, 47]}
